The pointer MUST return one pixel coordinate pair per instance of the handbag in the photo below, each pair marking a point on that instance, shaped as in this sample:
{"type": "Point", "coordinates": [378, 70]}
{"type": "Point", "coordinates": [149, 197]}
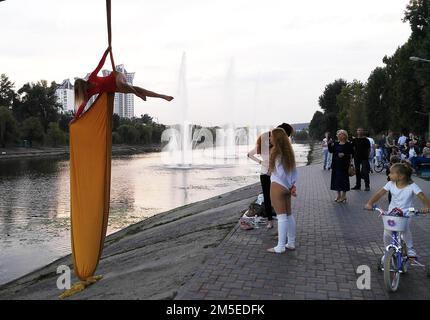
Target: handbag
{"type": "Point", "coordinates": [245, 224]}
{"type": "Point", "coordinates": [351, 170]}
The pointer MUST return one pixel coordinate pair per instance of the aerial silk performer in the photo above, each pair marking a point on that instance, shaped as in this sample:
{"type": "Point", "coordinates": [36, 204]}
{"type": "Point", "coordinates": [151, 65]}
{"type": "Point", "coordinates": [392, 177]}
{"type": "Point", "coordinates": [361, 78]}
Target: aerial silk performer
{"type": "Point", "coordinates": [90, 165]}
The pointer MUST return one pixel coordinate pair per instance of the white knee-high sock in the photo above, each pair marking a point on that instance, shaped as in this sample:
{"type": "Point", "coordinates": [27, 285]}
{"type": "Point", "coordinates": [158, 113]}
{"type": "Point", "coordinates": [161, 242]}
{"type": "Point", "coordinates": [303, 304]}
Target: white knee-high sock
{"type": "Point", "coordinates": [291, 230]}
{"type": "Point", "coordinates": [282, 232]}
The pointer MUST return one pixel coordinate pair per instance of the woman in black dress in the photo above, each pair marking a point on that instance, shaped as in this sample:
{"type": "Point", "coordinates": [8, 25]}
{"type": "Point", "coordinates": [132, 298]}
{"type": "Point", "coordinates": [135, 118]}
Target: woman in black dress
{"type": "Point", "coordinates": [342, 154]}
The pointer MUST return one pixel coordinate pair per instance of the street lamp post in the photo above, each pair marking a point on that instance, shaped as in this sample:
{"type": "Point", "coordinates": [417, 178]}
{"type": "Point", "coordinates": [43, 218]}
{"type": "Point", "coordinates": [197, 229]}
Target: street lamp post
{"type": "Point", "coordinates": [428, 115]}
{"type": "Point", "coordinates": [417, 59]}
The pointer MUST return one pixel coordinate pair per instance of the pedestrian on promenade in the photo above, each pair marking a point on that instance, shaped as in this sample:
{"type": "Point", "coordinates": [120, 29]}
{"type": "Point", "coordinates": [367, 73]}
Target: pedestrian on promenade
{"type": "Point", "coordinates": [282, 166]}
{"type": "Point", "coordinates": [390, 143]}
{"type": "Point", "coordinates": [424, 158]}
{"type": "Point", "coordinates": [262, 148]}
{"type": "Point", "coordinates": [412, 151]}
{"type": "Point", "coordinates": [327, 155]}
{"type": "Point", "coordinates": [403, 190]}
{"type": "Point", "coordinates": [342, 155]}
{"type": "Point", "coordinates": [402, 142]}
{"type": "Point", "coordinates": [372, 151]}
{"type": "Point", "coordinates": [412, 137]}
{"type": "Point", "coordinates": [398, 153]}
{"type": "Point", "coordinates": [361, 147]}
{"type": "Point", "coordinates": [378, 153]}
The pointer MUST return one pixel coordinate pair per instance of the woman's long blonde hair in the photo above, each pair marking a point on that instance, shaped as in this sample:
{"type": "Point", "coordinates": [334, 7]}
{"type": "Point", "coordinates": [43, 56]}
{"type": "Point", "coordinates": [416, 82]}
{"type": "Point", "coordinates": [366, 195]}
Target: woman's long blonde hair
{"type": "Point", "coordinates": [80, 87]}
{"type": "Point", "coordinates": [281, 147]}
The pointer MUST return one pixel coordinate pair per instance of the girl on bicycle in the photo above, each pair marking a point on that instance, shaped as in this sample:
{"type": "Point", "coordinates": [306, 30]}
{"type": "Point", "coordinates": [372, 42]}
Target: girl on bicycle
{"type": "Point", "coordinates": [403, 190]}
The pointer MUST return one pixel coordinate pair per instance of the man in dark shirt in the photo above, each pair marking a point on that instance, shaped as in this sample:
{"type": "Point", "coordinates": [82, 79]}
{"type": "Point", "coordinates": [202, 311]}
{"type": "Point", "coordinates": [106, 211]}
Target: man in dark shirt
{"type": "Point", "coordinates": [361, 160]}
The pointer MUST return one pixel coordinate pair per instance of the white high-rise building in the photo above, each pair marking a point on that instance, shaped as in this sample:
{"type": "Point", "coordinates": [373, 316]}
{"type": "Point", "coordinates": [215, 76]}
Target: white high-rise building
{"type": "Point", "coordinates": [65, 95]}
{"type": "Point", "coordinates": [124, 103]}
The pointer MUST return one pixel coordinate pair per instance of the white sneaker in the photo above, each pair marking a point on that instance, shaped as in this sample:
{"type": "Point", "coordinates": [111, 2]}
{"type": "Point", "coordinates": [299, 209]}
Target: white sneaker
{"type": "Point", "coordinates": [290, 247]}
{"type": "Point", "coordinates": [412, 253]}
{"type": "Point", "coordinates": [276, 250]}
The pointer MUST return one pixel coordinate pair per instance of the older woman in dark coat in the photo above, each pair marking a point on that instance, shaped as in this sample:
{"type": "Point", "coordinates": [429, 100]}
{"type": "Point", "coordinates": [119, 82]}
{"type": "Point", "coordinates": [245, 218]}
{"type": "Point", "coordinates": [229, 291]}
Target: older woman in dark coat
{"type": "Point", "coordinates": [342, 153]}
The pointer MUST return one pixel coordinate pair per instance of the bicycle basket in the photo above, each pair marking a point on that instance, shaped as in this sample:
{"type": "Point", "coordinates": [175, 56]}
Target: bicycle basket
{"type": "Point", "coordinates": [392, 223]}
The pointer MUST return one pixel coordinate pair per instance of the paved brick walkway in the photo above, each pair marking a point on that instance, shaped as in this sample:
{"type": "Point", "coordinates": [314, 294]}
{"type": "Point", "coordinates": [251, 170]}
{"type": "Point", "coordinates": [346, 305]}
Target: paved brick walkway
{"type": "Point", "coordinates": [332, 241]}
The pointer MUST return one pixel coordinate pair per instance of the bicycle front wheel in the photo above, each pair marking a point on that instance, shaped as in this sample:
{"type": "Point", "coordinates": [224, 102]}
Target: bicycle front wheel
{"type": "Point", "coordinates": [391, 271]}
{"type": "Point", "coordinates": [379, 166]}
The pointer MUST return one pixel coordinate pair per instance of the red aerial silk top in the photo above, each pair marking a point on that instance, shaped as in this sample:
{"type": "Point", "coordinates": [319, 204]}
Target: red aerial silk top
{"type": "Point", "coordinates": [101, 84]}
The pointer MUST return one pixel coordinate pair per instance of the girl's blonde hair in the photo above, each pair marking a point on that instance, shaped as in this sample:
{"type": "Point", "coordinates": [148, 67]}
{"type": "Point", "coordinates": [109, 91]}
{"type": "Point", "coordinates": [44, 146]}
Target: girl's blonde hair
{"type": "Point", "coordinates": [344, 132]}
{"type": "Point", "coordinates": [281, 147]}
{"type": "Point", "coordinates": [404, 169]}
{"type": "Point", "coordinates": [80, 87]}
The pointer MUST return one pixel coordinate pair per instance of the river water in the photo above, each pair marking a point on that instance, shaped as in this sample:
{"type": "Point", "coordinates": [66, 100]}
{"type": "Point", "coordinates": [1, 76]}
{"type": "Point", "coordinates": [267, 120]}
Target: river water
{"type": "Point", "coordinates": [35, 198]}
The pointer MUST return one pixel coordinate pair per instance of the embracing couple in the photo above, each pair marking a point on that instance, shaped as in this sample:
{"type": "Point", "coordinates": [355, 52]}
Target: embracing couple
{"type": "Point", "coordinates": [278, 180]}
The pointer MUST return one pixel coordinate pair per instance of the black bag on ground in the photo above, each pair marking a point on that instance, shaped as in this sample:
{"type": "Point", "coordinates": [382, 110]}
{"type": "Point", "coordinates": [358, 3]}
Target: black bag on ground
{"type": "Point", "coordinates": [255, 209]}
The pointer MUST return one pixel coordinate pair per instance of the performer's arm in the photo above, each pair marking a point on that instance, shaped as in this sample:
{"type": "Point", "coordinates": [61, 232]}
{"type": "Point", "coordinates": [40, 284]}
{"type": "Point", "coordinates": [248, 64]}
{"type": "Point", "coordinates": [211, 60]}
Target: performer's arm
{"type": "Point", "coordinates": [101, 63]}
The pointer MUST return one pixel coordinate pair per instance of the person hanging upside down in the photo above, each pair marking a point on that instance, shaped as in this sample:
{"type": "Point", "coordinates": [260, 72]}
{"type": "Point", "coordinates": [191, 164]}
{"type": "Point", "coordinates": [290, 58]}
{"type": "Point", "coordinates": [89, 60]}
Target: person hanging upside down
{"type": "Point", "coordinates": [114, 82]}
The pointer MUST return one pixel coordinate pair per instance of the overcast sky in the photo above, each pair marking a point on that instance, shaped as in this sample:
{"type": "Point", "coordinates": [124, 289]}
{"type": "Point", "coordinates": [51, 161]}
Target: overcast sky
{"type": "Point", "coordinates": [246, 60]}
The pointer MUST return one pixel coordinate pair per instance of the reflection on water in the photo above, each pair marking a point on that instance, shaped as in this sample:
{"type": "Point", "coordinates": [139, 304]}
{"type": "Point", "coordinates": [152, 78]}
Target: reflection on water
{"type": "Point", "coordinates": [35, 199]}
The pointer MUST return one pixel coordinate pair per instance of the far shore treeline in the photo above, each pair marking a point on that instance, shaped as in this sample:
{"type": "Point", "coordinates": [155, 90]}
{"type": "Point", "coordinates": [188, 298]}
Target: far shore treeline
{"type": "Point", "coordinates": [392, 94]}
{"type": "Point", "coordinates": [32, 116]}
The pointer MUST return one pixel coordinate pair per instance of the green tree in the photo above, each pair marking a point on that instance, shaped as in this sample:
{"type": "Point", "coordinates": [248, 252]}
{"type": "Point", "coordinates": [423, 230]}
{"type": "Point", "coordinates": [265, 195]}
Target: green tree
{"type": "Point", "coordinates": [301, 136]}
{"type": "Point", "coordinates": [55, 135]}
{"type": "Point", "coordinates": [128, 133]}
{"type": "Point", "coordinates": [377, 108]}
{"type": "Point", "coordinates": [145, 132]}
{"type": "Point", "coordinates": [146, 119]}
{"type": "Point", "coordinates": [317, 126]}
{"type": "Point", "coordinates": [328, 103]}
{"type": "Point", "coordinates": [38, 100]}
{"type": "Point", "coordinates": [157, 131]}
{"type": "Point", "coordinates": [32, 130]}
{"type": "Point", "coordinates": [8, 127]}
{"type": "Point", "coordinates": [328, 100]}
{"type": "Point", "coordinates": [418, 15]}
{"type": "Point", "coordinates": [404, 92]}
{"type": "Point", "coordinates": [116, 138]}
{"type": "Point", "coordinates": [7, 95]}
{"type": "Point", "coordinates": [116, 122]}
{"type": "Point", "coordinates": [352, 106]}
{"type": "Point", "coordinates": [64, 120]}
{"type": "Point", "coordinates": [392, 94]}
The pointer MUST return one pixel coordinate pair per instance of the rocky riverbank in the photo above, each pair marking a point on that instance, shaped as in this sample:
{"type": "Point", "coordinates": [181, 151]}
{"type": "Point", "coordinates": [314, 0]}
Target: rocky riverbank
{"type": "Point", "coordinates": [152, 259]}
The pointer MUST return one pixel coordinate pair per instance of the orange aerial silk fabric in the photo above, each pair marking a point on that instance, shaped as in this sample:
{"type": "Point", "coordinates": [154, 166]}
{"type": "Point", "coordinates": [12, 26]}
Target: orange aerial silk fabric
{"type": "Point", "coordinates": [90, 167]}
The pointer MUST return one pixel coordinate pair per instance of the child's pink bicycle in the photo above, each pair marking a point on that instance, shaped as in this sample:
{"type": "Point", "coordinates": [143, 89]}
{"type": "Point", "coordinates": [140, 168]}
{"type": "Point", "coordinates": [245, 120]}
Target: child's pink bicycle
{"type": "Point", "coordinates": [396, 260]}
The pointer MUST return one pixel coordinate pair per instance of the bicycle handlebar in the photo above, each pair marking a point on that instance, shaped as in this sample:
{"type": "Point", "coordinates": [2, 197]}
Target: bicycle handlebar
{"type": "Point", "coordinates": [413, 211]}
